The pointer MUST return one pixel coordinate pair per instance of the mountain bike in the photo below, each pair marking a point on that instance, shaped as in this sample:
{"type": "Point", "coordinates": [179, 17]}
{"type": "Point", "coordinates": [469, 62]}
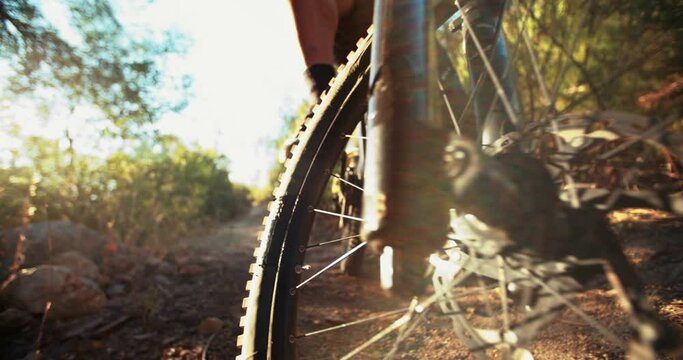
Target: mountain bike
{"type": "Point", "coordinates": [488, 242]}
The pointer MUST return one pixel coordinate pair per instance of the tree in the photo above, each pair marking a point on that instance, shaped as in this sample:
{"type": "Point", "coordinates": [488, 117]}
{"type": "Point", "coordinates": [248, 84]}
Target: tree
{"type": "Point", "coordinates": [105, 68]}
{"type": "Point", "coordinates": [156, 190]}
{"type": "Point", "coordinates": [595, 55]}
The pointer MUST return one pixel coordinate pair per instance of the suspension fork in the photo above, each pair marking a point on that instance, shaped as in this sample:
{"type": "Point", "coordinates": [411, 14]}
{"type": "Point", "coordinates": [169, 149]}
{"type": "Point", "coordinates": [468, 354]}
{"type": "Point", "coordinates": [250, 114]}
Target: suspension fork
{"type": "Point", "coordinates": [405, 199]}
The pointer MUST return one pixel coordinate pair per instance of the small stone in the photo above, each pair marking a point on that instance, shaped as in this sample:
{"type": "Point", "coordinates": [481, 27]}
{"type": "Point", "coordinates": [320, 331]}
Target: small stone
{"type": "Point", "coordinates": [116, 289]}
{"type": "Point", "coordinates": [155, 265]}
{"type": "Point", "coordinates": [210, 326]}
{"type": "Point", "coordinates": [71, 295]}
{"type": "Point", "coordinates": [54, 237]}
{"type": "Point", "coordinates": [166, 268]}
{"type": "Point", "coordinates": [78, 263]}
{"type": "Point", "coordinates": [163, 280]}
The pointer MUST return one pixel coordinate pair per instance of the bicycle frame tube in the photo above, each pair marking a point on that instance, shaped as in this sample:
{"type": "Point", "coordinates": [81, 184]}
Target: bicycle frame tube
{"type": "Point", "coordinates": [405, 196]}
{"type": "Point", "coordinates": [485, 17]}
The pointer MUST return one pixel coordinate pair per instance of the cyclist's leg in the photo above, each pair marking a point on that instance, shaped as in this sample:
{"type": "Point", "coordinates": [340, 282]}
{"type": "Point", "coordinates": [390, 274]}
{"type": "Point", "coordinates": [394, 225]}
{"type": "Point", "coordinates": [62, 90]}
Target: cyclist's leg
{"type": "Point", "coordinates": [353, 25]}
{"type": "Point", "coordinates": [316, 24]}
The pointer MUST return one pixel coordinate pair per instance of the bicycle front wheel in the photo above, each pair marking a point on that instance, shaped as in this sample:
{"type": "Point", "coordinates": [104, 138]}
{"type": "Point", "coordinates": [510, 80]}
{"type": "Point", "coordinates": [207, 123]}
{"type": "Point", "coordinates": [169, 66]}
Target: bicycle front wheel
{"type": "Point", "coordinates": [300, 306]}
{"type": "Point", "coordinates": [271, 307]}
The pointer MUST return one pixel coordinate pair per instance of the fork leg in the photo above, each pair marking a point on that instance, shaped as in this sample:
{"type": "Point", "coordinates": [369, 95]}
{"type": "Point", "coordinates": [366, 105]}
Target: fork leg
{"type": "Point", "coordinates": [405, 198]}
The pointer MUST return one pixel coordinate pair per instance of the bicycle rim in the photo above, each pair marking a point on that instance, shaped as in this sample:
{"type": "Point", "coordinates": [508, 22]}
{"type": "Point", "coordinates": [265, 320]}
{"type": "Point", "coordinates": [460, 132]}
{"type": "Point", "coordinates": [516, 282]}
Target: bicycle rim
{"type": "Point", "coordinates": [270, 317]}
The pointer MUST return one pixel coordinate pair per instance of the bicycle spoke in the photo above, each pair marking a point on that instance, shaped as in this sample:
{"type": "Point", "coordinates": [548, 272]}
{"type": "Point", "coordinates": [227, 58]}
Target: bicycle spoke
{"type": "Point", "coordinates": [532, 57]}
{"type": "Point", "coordinates": [480, 79]}
{"type": "Point", "coordinates": [336, 214]}
{"type": "Point", "coordinates": [550, 109]}
{"type": "Point", "coordinates": [549, 102]}
{"type": "Point", "coordinates": [572, 190]}
{"type": "Point", "coordinates": [379, 336]}
{"type": "Point", "coordinates": [489, 68]}
{"type": "Point", "coordinates": [406, 331]}
{"type": "Point", "coordinates": [633, 64]}
{"type": "Point", "coordinates": [508, 67]}
{"type": "Point", "coordinates": [473, 95]}
{"type": "Point", "coordinates": [502, 281]}
{"type": "Point", "coordinates": [419, 308]}
{"type": "Point", "coordinates": [651, 132]}
{"type": "Point", "coordinates": [482, 289]}
{"type": "Point", "coordinates": [347, 182]}
{"type": "Point", "coordinates": [333, 241]}
{"type": "Point", "coordinates": [478, 340]}
{"type": "Point", "coordinates": [352, 323]}
{"type": "Point", "coordinates": [579, 65]}
{"type": "Point", "coordinates": [471, 337]}
{"type": "Point", "coordinates": [329, 266]}
{"type": "Point", "coordinates": [585, 317]}
{"type": "Point", "coordinates": [444, 95]}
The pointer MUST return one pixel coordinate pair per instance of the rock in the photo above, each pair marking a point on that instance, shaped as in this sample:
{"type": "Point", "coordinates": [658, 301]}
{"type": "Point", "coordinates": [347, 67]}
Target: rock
{"type": "Point", "coordinates": [79, 264]}
{"type": "Point", "coordinates": [155, 265]}
{"type": "Point", "coordinates": [13, 319]}
{"type": "Point", "coordinates": [122, 266]}
{"type": "Point", "coordinates": [163, 280]}
{"type": "Point", "coordinates": [116, 289]}
{"type": "Point", "coordinates": [70, 294]}
{"type": "Point", "coordinates": [210, 326]}
{"type": "Point", "coordinates": [52, 238]}
{"type": "Point", "coordinates": [152, 263]}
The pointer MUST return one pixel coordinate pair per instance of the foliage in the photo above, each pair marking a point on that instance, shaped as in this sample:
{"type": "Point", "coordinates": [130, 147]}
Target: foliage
{"type": "Point", "coordinates": [285, 143]}
{"type": "Point", "coordinates": [607, 53]}
{"type": "Point", "coordinates": [591, 55]}
{"type": "Point", "coordinates": [291, 124]}
{"type": "Point", "coordinates": [105, 67]}
{"type": "Point", "coordinates": [154, 193]}
{"type": "Point", "coordinates": [151, 189]}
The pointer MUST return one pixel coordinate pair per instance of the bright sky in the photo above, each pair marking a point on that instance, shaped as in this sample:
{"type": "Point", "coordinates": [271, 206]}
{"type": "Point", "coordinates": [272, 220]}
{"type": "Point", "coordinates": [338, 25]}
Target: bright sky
{"type": "Point", "coordinates": [247, 71]}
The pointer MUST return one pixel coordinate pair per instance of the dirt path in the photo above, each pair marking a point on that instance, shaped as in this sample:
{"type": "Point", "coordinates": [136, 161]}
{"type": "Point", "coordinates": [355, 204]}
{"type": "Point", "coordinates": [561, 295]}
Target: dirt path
{"type": "Point", "coordinates": [652, 241]}
{"type": "Point", "coordinates": [156, 311]}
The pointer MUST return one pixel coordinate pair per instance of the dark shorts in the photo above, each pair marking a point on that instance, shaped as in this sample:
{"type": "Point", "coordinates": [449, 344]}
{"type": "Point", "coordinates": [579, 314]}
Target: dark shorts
{"type": "Point", "coordinates": [352, 27]}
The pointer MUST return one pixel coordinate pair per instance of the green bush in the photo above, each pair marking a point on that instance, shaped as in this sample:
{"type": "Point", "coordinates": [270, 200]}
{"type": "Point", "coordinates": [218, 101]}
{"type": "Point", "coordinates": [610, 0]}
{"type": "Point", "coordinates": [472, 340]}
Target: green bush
{"type": "Point", "coordinates": [159, 190]}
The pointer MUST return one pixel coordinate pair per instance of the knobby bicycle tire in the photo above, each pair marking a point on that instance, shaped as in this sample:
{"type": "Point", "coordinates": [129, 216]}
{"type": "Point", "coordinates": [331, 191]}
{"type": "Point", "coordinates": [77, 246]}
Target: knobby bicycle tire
{"type": "Point", "coordinates": [270, 305]}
